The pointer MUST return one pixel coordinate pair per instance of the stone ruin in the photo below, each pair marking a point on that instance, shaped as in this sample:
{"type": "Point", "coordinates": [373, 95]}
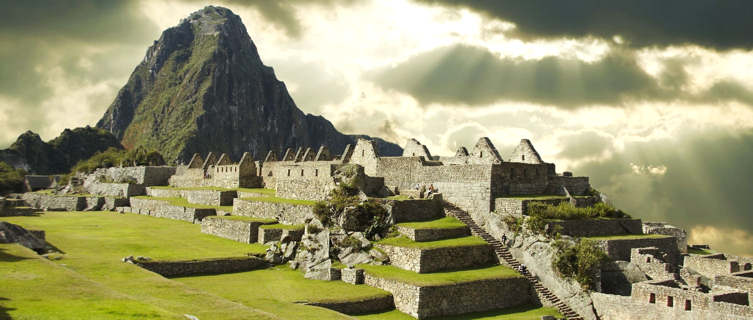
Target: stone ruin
{"type": "Point", "coordinates": [646, 276]}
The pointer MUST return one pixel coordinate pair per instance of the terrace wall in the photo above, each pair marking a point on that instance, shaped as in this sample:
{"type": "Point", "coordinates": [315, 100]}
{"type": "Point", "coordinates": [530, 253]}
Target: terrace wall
{"type": "Point", "coordinates": [203, 267]}
{"type": "Point", "coordinates": [284, 213]}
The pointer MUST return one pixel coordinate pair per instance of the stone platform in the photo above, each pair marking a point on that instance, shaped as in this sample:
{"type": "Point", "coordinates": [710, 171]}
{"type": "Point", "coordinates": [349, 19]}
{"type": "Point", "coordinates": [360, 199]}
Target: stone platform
{"type": "Point", "coordinates": [234, 228]}
{"type": "Point", "coordinates": [430, 231]}
{"type": "Point", "coordinates": [452, 297]}
{"type": "Point", "coordinates": [440, 258]}
{"type": "Point", "coordinates": [164, 209]}
{"type": "Point", "coordinates": [286, 213]}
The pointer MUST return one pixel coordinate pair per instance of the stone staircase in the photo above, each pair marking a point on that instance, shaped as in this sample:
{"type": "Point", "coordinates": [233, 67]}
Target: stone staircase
{"type": "Point", "coordinates": [503, 253]}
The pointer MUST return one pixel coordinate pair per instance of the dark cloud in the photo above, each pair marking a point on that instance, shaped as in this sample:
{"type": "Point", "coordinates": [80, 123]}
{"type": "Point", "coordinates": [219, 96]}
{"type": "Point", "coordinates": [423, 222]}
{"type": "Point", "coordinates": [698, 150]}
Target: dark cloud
{"type": "Point", "coordinates": [472, 75]}
{"type": "Point", "coordinates": [283, 13]}
{"type": "Point", "coordinates": [583, 144]}
{"type": "Point", "coordinates": [707, 180]}
{"type": "Point", "coordinates": [719, 24]}
{"type": "Point", "coordinates": [466, 75]}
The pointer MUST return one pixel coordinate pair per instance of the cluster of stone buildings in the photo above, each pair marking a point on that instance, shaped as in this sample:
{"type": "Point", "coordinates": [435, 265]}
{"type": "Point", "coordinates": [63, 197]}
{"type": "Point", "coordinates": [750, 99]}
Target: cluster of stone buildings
{"type": "Point", "coordinates": [650, 274]}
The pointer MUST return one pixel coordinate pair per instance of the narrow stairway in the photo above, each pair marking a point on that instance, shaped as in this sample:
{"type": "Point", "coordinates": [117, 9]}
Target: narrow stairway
{"type": "Point", "coordinates": [502, 252]}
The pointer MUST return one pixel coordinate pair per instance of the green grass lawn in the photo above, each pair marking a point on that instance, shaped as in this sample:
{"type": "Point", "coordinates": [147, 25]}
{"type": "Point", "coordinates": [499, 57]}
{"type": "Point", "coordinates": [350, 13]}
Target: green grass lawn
{"type": "Point", "coordinates": [517, 313]}
{"type": "Point", "coordinates": [277, 289]}
{"type": "Point", "coordinates": [90, 281]}
{"type": "Point", "coordinates": [264, 191]}
{"type": "Point", "coordinates": [403, 241]}
{"type": "Point", "coordinates": [628, 237]}
{"type": "Point", "coordinates": [250, 219]}
{"type": "Point", "coordinates": [443, 223]}
{"type": "Point", "coordinates": [440, 278]}
{"type": "Point", "coordinates": [282, 226]}
{"type": "Point", "coordinates": [281, 200]}
{"type": "Point", "coordinates": [699, 251]}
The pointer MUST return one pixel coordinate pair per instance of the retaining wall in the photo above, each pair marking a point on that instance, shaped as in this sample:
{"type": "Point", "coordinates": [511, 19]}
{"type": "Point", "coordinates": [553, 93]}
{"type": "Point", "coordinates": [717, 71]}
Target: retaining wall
{"type": "Point", "coordinates": [415, 210]}
{"type": "Point", "coordinates": [238, 230]}
{"type": "Point", "coordinates": [597, 227]}
{"type": "Point", "coordinates": [439, 259]}
{"type": "Point", "coordinates": [619, 249]}
{"type": "Point", "coordinates": [203, 267]}
{"type": "Point", "coordinates": [163, 209]}
{"type": "Point", "coordinates": [475, 296]}
{"type": "Point", "coordinates": [284, 213]}
{"type": "Point", "coordinates": [356, 307]}
{"type": "Point", "coordinates": [433, 234]}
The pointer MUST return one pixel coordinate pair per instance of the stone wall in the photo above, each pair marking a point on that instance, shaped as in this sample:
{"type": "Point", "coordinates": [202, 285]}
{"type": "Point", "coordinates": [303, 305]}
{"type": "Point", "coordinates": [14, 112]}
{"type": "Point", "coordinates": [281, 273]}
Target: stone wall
{"type": "Point", "coordinates": [356, 307]}
{"type": "Point", "coordinates": [512, 178]}
{"type": "Point", "coordinates": [738, 280]}
{"type": "Point", "coordinates": [474, 296]}
{"type": "Point", "coordinates": [439, 259]}
{"type": "Point", "coordinates": [670, 230]}
{"type": "Point", "coordinates": [596, 228]}
{"type": "Point", "coordinates": [433, 234]}
{"type": "Point", "coordinates": [711, 265]}
{"type": "Point", "coordinates": [51, 202]}
{"type": "Point", "coordinates": [519, 207]}
{"type": "Point", "coordinates": [238, 230]}
{"type": "Point", "coordinates": [461, 298]}
{"type": "Point", "coordinates": [115, 189]}
{"type": "Point", "coordinates": [163, 209]}
{"type": "Point", "coordinates": [205, 197]}
{"type": "Point", "coordinates": [203, 267]}
{"type": "Point", "coordinates": [311, 180]}
{"type": "Point", "coordinates": [652, 262]}
{"type": "Point", "coordinates": [619, 249]}
{"type": "Point", "coordinates": [577, 186]}
{"type": "Point", "coordinates": [612, 307]}
{"type": "Point", "coordinates": [143, 175]}
{"type": "Point", "coordinates": [415, 210]}
{"type": "Point", "coordinates": [284, 213]}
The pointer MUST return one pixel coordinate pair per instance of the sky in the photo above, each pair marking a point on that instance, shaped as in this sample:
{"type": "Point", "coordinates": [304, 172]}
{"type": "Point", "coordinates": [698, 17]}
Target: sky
{"type": "Point", "coordinates": [651, 99]}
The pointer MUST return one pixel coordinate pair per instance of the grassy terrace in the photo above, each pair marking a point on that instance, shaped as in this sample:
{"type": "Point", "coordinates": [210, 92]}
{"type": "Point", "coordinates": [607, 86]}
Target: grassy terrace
{"type": "Point", "coordinates": [440, 278]}
{"type": "Point", "coordinates": [699, 251]}
{"type": "Point", "coordinates": [456, 242]}
{"type": "Point", "coordinates": [443, 223]}
{"type": "Point", "coordinates": [264, 191]}
{"type": "Point", "coordinates": [281, 200]}
{"type": "Point", "coordinates": [181, 202]}
{"type": "Point", "coordinates": [249, 219]}
{"type": "Point", "coordinates": [282, 226]}
{"type": "Point", "coordinates": [90, 281]}
{"type": "Point", "coordinates": [517, 313]}
{"type": "Point", "coordinates": [629, 237]}
{"type": "Point", "coordinates": [278, 289]}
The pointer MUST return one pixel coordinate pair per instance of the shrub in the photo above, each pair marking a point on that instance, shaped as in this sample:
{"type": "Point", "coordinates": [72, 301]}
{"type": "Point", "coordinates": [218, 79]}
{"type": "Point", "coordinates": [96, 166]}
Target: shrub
{"type": "Point", "coordinates": [513, 223]}
{"type": "Point", "coordinates": [580, 261]}
{"type": "Point", "coordinates": [566, 211]}
{"type": "Point", "coordinates": [11, 180]}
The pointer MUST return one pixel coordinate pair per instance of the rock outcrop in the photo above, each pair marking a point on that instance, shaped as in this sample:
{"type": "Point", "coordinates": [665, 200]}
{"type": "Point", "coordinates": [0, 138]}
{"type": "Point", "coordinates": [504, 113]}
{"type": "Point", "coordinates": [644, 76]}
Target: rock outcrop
{"type": "Point", "coordinates": [203, 87]}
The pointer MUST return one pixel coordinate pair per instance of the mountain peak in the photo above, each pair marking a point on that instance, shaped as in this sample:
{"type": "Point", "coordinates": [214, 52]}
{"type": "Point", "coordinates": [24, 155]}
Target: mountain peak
{"type": "Point", "coordinates": [202, 87]}
{"type": "Point", "coordinates": [212, 20]}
